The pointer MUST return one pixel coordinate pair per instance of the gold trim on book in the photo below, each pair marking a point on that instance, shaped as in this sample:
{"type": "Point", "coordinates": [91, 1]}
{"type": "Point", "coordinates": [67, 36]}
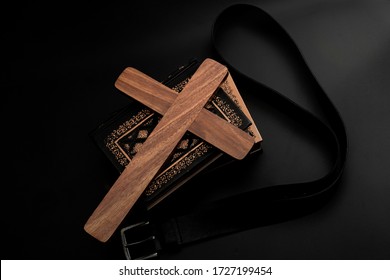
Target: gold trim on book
{"type": "Point", "coordinates": [181, 164]}
{"type": "Point", "coordinates": [226, 111]}
{"type": "Point", "coordinates": [229, 92]}
{"type": "Point", "coordinates": [111, 144]}
{"type": "Point", "coordinates": [129, 131]}
{"type": "Point", "coordinates": [180, 86]}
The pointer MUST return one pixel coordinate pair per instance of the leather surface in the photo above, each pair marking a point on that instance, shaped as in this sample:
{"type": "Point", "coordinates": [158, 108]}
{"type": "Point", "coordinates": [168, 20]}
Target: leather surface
{"type": "Point", "coordinates": [59, 81]}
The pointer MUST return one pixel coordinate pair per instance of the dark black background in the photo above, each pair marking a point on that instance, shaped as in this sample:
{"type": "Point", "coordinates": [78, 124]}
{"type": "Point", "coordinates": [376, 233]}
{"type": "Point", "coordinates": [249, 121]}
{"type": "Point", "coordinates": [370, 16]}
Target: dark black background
{"type": "Point", "coordinates": [61, 62]}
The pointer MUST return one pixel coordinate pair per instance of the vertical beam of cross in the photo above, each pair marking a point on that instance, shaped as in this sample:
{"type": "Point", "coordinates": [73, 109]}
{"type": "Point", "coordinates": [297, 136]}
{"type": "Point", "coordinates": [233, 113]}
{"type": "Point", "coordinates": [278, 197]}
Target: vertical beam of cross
{"type": "Point", "coordinates": [178, 118]}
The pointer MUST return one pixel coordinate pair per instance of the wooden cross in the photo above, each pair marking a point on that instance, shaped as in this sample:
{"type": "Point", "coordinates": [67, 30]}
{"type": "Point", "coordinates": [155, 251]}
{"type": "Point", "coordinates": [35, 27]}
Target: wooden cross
{"type": "Point", "coordinates": [181, 112]}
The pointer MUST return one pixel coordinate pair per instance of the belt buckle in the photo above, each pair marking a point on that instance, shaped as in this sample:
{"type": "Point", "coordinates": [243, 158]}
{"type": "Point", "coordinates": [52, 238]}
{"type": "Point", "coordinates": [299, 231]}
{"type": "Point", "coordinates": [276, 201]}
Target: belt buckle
{"type": "Point", "coordinates": [136, 245]}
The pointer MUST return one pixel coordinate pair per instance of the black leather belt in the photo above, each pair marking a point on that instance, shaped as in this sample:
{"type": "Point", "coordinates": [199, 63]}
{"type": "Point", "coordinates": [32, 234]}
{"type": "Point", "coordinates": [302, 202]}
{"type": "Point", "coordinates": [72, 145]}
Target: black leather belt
{"type": "Point", "coordinates": [153, 233]}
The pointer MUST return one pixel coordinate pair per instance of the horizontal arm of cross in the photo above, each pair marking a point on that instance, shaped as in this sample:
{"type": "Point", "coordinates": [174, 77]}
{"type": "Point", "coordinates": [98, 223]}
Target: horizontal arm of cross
{"type": "Point", "coordinates": [207, 126]}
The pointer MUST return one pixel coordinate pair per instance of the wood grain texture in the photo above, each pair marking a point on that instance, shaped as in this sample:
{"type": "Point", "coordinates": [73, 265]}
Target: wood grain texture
{"type": "Point", "coordinates": [208, 126]}
{"type": "Point", "coordinates": [140, 171]}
